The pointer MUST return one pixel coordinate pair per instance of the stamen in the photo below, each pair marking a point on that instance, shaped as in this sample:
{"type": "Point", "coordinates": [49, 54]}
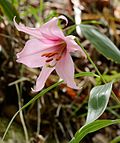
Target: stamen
{"type": "Point", "coordinates": [52, 54]}
{"type": "Point", "coordinates": [60, 55]}
{"type": "Point", "coordinates": [58, 58]}
{"type": "Point", "coordinates": [55, 55]}
{"type": "Point", "coordinates": [44, 55]}
{"type": "Point", "coordinates": [49, 60]}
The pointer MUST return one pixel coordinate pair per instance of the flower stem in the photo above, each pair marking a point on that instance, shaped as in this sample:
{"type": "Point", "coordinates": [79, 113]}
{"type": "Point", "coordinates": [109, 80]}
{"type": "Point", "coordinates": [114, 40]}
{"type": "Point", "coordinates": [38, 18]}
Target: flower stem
{"type": "Point", "coordinates": [97, 70]}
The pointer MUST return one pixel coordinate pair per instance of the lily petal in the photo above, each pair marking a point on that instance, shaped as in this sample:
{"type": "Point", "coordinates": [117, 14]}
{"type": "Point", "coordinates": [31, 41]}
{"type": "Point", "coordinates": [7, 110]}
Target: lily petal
{"type": "Point", "coordinates": [47, 32]}
{"type": "Point", "coordinates": [65, 69]}
{"type": "Point", "coordinates": [31, 54]}
{"type": "Point", "coordinates": [46, 71]}
{"type": "Point", "coordinates": [35, 32]}
{"type": "Point", "coordinates": [32, 61]}
{"type": "Point", "coordinates": [73, 46]}
{"type": "Point", "coordinates": [51, 31]}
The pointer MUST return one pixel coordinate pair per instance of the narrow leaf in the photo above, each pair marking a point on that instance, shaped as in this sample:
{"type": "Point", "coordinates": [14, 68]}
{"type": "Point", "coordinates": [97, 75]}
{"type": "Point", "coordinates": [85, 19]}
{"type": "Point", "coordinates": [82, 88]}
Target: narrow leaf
{"type": "Point", "coordinates": [116, 140]}
{"type": "Point", "coordinates": [86, 74]}
{"type": "Point", "coordinates": [92, 127]}
{"type": "Point", "coordinates": [102, 43]}
{"type": "Point", "coordinates": [99, 97]}
{"type": "Point", "coordinates": [43, 92]}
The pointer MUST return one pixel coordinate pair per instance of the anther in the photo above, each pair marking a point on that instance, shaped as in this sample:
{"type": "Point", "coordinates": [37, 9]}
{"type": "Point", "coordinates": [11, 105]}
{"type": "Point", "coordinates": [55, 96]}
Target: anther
{"type": "Point", "coordinates": [49, 54]}
{"type": "Point", "coordinates": [49, 60]}
{"type": "Point", "coordinates": [44, 55]}
{"type": "Point", "coordinates": [52, 54]}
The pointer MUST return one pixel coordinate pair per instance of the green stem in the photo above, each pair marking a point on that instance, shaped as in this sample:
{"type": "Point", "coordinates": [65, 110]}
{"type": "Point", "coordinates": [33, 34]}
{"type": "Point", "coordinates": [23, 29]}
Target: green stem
{"type": "Point", "coordinates": [21, 115]}
{"type": "Point", "coordinates": [27, 104]}
{"type": "Point", "coordinates": [43, 92]}
{"type": "Point", "coordinates": [89, 58]}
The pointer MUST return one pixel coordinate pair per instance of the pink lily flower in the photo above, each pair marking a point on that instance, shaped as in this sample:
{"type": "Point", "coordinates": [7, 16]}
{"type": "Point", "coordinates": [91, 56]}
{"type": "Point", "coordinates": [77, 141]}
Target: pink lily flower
{"type": "Point", "coordinates": [49, 49]}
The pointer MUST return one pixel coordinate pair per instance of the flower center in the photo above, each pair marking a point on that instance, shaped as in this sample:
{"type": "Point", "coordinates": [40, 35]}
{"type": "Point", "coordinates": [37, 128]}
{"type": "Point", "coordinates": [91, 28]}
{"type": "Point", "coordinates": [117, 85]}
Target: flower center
{"type": "Point", "coordinates": [53, 57]}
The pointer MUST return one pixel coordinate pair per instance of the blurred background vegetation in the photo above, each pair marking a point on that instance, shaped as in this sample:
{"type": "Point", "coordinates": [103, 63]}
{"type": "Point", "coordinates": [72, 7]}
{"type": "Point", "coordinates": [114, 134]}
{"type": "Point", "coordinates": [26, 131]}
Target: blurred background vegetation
{"type": "Point", "coordinates": [62, 111]}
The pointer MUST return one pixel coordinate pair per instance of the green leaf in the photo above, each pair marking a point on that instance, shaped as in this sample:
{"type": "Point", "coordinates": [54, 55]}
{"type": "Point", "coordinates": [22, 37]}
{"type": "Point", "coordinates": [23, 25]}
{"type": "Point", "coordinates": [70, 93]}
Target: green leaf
{"type": "Point", "coordinates": [43, 92]}
{"type": "Point", "coordinates": [92, 127]}
{"type": "Point", "coordinates": [86, 74]}
{"type": "Point", "coordinates": [116, 140]}
{"type": "Point", "coordinates": [9, 10]}
{"type": "Point", "coordinates": [102, 43]}
{"type": "Point", "coordinates": [99, 97]}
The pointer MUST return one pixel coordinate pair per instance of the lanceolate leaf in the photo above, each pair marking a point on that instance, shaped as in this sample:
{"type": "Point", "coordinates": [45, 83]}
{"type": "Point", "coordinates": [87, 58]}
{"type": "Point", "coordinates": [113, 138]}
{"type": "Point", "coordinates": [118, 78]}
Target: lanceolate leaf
{"type": "Point", "coordinates": [43, 92]}
{"type": "Point", "coordinates": [103, 44]}
{"type": "Point", "coordinates": [92, 127]}
{"type": "Point", "coordinates": [99, 97]}
{"type": "Point", "coordinates": [86, 74]}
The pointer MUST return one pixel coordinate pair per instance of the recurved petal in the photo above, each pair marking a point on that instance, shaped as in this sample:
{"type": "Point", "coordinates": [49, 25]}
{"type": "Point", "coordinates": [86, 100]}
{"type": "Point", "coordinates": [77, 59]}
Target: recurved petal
{"type": "Point", "coordinates": [45, 72]}
{"type": "Point", "coordinates": [35, 32]}
{"type": "Point", "coordinates": [31, 53]}
{"type": "Point", "coordinates": [51, 30]}
{"type": "Point", "coordinates": [73, 46]}
{"type": "Point", "coordinates": [65, 69]}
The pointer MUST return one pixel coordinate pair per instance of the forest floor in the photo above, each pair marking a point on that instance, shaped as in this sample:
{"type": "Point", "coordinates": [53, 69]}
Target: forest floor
{"type": "Point", "coordinates": [56, 116]}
